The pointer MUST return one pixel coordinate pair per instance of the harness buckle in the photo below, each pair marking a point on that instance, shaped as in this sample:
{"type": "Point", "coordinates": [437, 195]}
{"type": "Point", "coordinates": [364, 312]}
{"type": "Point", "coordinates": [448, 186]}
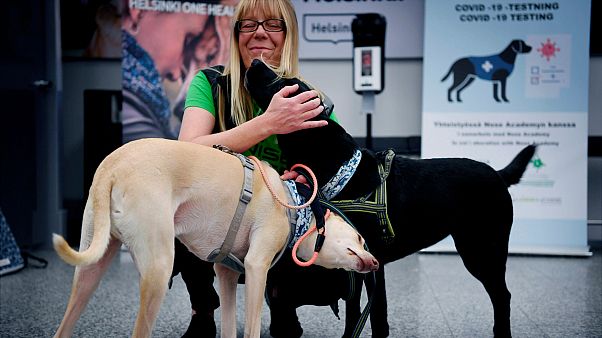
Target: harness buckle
{"type": "Point", "coordinates": [247, 163]}
{"type": "Point", "coordinates": [246, 196]}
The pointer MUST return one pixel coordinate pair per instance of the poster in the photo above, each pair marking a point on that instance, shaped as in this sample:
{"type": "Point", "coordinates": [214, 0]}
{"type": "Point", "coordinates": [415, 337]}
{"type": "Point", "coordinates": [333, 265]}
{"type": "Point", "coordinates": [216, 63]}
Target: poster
{"type": "Point", "coordinates": [499, 75]}
{"type": "Point", "coordinates": [164, 44]}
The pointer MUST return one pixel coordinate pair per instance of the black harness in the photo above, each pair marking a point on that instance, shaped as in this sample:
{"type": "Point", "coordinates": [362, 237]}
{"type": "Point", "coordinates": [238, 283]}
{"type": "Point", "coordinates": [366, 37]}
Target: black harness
{"type": "Point", "coordinates": [376, 202]}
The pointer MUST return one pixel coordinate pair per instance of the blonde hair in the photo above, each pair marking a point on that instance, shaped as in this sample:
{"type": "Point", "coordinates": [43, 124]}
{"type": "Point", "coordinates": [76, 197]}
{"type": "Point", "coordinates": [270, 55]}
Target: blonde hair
{"type": "Point", "coordinates": [241, 103]}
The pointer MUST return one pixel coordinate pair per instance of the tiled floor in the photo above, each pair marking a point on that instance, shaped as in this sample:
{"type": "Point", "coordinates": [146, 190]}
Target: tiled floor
{"type": "Point", "coordinates": [429, 295]}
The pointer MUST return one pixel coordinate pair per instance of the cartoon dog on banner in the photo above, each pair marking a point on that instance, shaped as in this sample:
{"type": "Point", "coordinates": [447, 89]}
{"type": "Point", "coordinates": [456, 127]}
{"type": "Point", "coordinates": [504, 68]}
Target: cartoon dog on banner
{"type": "Point", "coordinates": [496, 68]}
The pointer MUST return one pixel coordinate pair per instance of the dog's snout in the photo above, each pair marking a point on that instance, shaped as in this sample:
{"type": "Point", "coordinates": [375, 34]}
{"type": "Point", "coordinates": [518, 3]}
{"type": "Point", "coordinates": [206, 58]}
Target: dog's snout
{"type": "Point", "coordinates": [374, 265]}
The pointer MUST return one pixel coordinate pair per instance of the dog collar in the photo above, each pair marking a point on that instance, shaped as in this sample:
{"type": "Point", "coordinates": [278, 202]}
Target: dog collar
{"type": "Point", "coordinates": [298, 219]}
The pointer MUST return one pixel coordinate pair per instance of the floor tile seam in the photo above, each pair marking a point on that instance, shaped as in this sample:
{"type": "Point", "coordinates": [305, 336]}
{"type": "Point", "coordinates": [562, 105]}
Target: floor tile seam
{"type": "Point", "coordinates": [435, 296]}
{"type": "Point", "coordinates": [533, 322]}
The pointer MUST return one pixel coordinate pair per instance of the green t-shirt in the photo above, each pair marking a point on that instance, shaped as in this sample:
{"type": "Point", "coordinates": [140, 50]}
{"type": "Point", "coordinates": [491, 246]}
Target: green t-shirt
{"type": "Point", "coordinates": [199, 95]}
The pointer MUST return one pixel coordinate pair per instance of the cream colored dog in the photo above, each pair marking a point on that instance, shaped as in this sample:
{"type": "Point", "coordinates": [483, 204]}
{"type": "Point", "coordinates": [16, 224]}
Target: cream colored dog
{"type": "Point", "coordinates": [149, 191]}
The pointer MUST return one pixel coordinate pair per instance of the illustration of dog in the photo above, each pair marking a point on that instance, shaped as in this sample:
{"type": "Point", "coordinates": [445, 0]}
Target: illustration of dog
{"type": "Point", "coordinates": [495, 68]}
{"type": "Point", "coordinates": [149, 191]}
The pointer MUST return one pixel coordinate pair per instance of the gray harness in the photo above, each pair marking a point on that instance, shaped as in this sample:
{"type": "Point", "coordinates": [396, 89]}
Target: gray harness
{"type": "Point", "coordinates": [299, 219]}
{"type": "Point", "coordinates": [223, 255]}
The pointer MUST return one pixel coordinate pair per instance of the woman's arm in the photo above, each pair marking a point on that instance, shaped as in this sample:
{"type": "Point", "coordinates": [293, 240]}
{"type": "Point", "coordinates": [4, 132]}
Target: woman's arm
{"type": "Point", "coordinates": [284, 115]}
{"type": "Point", "coordinates": [198, 123]}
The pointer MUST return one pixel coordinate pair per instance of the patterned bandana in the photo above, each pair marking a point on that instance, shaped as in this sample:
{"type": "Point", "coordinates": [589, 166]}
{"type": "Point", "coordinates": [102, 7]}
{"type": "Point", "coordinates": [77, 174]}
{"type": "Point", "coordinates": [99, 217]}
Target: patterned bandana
{"type": "Point", "coordinates": [140, 77]}
{"type": "Point", "coordinates": [301, 219]}
{"type": "Point", "coordinates": [340, 179]}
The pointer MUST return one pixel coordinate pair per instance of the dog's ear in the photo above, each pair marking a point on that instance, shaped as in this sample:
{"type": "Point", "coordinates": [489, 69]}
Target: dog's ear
{"type": "Point", "coordinates": [524, 47]}
{"type": "Point", "coordinates": [520, 45]}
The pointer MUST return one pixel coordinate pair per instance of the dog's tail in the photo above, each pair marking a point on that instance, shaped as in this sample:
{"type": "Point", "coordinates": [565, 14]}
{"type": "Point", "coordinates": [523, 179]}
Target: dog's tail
{"type": "Point", "coordinates": [512, 173]}
{"type": "Point", "coordinates": [447, 75]}
{"type": "Point", "coordinates": [101, 225]}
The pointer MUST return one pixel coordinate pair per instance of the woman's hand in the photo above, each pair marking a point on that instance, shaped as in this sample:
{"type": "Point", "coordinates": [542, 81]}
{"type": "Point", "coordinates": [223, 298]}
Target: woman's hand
{"type": "Point", "coordinates": [293, 175]}
{"type": "Point", "coordinates": [288, 114]}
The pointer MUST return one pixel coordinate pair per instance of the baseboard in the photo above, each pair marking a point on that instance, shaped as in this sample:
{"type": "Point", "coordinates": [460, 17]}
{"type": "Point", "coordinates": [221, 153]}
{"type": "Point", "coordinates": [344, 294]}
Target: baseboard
{"type": "Point", "coordinates": [522, 250]}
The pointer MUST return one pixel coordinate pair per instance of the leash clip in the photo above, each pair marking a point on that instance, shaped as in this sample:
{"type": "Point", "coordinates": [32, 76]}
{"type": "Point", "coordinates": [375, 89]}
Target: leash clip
{"type": "Point", "coordinates": [319, 241]}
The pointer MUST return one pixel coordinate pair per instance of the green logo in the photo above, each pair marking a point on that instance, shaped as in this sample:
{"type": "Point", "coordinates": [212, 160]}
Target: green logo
{"type": "Point", "coordinates": [537, 162]}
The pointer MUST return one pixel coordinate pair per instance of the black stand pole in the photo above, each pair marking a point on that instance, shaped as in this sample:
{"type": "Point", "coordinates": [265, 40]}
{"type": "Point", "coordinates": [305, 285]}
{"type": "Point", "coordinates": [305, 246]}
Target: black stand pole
{"type": "Point", "coordinates": [369, 131]}
{"type": "Point", "coordinates": [368, 109]}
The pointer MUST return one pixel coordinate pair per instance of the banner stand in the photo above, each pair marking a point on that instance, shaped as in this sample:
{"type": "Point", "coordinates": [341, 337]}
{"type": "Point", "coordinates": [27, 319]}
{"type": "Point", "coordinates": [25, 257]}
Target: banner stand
{"type": "Point", "coordinates": [514, 74]}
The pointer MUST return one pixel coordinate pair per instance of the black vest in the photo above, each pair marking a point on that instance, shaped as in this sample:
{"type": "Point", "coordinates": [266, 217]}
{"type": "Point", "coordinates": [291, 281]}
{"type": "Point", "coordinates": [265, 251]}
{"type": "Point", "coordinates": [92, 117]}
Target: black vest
{"type": "Point", "coordinates": [220, 85]}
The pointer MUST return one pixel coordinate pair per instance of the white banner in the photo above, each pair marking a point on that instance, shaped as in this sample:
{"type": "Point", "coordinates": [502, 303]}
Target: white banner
{"type": "Point", "coordinates": [325, 27]}
{"type": "Point", "coordinates": [499, 76]}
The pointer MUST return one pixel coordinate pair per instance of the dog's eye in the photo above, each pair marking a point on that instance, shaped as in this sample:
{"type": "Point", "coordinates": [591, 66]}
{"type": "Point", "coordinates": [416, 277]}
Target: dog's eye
{"type": "Point", "coordinates": [360, 239]}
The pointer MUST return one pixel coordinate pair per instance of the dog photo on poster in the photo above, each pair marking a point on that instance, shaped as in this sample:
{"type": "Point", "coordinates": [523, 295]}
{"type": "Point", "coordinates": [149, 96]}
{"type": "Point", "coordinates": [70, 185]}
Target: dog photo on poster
{"type": "Point", "coordinates": [499, 76]}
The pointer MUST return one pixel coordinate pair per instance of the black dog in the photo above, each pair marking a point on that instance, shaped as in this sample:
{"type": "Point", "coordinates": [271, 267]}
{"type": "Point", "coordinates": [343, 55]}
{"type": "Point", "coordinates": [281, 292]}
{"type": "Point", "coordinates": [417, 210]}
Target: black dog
{"type": "Point", "coordinates": [494, 68]}
{"type": "Point", "coordinates": [427, 199]}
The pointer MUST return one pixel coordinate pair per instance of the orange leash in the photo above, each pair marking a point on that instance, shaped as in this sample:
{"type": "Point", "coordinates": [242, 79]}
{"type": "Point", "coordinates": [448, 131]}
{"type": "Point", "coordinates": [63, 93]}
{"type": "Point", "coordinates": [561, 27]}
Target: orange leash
{"type": "Point", "coordinates": [296, 207]}
{"type": "Point", "coordinates": [305, 235]}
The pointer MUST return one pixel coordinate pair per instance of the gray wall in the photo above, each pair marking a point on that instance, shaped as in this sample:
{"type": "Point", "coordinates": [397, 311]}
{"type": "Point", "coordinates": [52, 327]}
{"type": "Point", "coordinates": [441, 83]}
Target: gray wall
{"type": "Point", "coordinates": [398, 112]}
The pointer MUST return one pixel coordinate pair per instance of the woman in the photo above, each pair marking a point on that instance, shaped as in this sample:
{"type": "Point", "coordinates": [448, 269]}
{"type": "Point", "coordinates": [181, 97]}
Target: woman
{"type": "Point", "coordinates": [277, 45]}
{"type": "Point", "coordinates": [267, 30]}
